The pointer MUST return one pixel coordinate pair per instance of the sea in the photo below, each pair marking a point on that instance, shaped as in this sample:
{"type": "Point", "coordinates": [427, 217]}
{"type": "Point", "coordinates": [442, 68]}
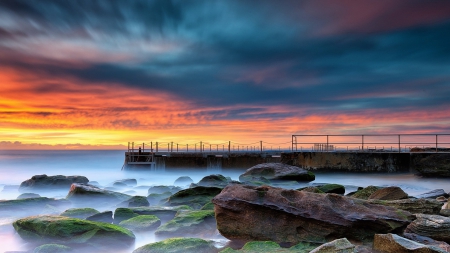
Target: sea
{"type": "Point", "coordinates": [105, 166]}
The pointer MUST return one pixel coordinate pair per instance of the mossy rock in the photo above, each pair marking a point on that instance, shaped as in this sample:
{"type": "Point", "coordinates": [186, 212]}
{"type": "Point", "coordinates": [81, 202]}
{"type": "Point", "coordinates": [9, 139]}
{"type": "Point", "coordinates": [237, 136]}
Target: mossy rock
{"type": "Point", "coordinates": [194, 197]}
{"type": "Point", "coordinates": [52, 248]}
{"type": "Point", "coordinates": [185, 180]}
{"type": "Point", "coordinates": [122, 213]}
{"type": "Point", "coordinates": [208, 206]}
{"type": "Point", "coordinates": [196, 223]}
{"type": "Point", "coordinates": [32, 206]}
{"type": "Point", "coordinates": [80, 213]}
{"type": "Point", "coordinates": [157, 198]}
{"type": "Point", "coordinates": [310, 189]}
{"type": "Point", "coordinates": [135, 201]}
{"type": "Point", "coordinates": [332, 188]}
{"type": "Point", "coordinates": [105, 216]}
{"type": "Point", "coordinates": [28, 196]}
{"type": "Point", "coordinates": [269, 247]}
{"type": "Point", "coordinates": [365, 192]}
{"type": "Point", "coordinates": [164, 188]}
{"type": "Point", "coordinates": [216, 180]}
{"type": "Point", "coordinates": [179, 245]}
{"type": "Point", "coordinates": [65, 230]}
{"type": "Point", "coordinates": [141, 223]}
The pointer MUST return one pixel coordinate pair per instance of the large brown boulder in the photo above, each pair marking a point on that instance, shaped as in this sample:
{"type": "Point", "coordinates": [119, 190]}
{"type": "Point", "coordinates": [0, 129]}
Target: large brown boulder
{"type": "Point", "coordinates": [277, 171]}
{"type": "Point", "coordinates": [392, 243]}
{"type": "Point", "coordinates": [425, 206]}
{"type": "Point", "coordinates": [434, 226]}
{"type": "Point", "coordinates": [389, 193]}
{"type": "Point", "coordinates": [44, 182]}
{"type": "Point", "coordinates": [247, 213]}
{"type": "Point", "coordinates": [89, 195]}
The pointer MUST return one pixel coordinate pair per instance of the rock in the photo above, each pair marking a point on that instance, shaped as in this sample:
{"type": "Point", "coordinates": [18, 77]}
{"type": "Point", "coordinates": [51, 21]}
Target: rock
{"type": "Point", "coordinates": [365, 192]}
{"type": "Point", "coordinates": [91, 195]}
{"type": "Point", "coordinates": [445, 212]}
{"type": "Point", "coordinates": [65, 230]}
{"type": "Point", "coordinates": [277, 171]}
{"type": "Point", "coordinates": [102, 217]}
{"type": "Point", "coordinates": [425, 206]}
{"type": "Point", "coordinates": [389, 193]}
{"type": "Point", "coordinates": [214, 181]}
{"type": "Point", "coordinates": [339, 245]}
{"type": "Point", "coordinates": [163, 188]}
{"type": "Point", "coordinates": [269, 247]}
{"type": "Point", "coordinates": [121, 214]}
{"type": "Point", "coordinates": [94, 183]}
{"type": "Point", "coordinates": [157, 198]}
{"type": "Point", "coordinates": [183, 181]}
{"type": "Point", "coordinates": [332, 188]}
{"type": "Point", "coordinates": [434, 226]}
{"type": "Point", "coordinates": [432, 165]}
{"type": "Point", "coordinates": [441, 199]}
{"type": "Point", "coordinates": [245, 212]}
{"type": "Point", "coordinates": [52, 248]}
{"type": "Point", "coordinates": [80, 213]}
{"type": "Point", "coordinates": [179, 245]}
{"type": "Point", "coordinates": [258, 181]}
{"type": "Point", "coordinates": [392, 243]}
{"type": "Point", "coordinates": [208, 206]}
{"type": "Point", "coordinates": [119, 185]}
{"type": "Point", "coordinates": [28, 196]}
{"type": "Point", "coordinates": [192, 223]}
{"type": "Point", "coordinates": [141, 223]}
{"type": "Point", "coordinates": [44, 182]}
{"type": "Point", "coordinates": [32, 206]}
{"type": "Point", "coordinates": [194, 197]}
{"type": "Point", "coordinates": [130, 192]}
{"type": "Point", "coordinates": [127, 182]}
{"type": "Point", "coordinates": [427, 241]}
{"type": "Point", "coordinates": [433, 194]}
{"type": "Point", "coordinates": [310, 189]}
{"type": "Point", "coordinates": [164, 213]}
{"type": "Point", "coordinates": [135, 201]}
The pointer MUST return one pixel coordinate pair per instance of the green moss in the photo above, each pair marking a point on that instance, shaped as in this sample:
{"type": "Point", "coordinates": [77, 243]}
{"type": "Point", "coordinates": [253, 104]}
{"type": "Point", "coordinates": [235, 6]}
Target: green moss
{"type": "Point", "coordinates": [208, 206]}
{"type": "Point", "coordinates": [51, 248]}
{"type": "Point", "coordinates": [366, 192]}
{"type": "Point", "coordinates": [194, 197]}
{"type": "Point", "coordinates": [269, 247]}
{"type": "Point", "coordinates": [141, 222]}
{"type": "Point", "coordinates": [310, 189]}
{"type": "Point", "coordinates": [187, 222]}
{"type": "Point", "coordinates": [178, 245]}
{"type": "Point", "coordinates": [80, 213]}
{"type": "Point", "coordinates": [332, 188]}
{"type": "Point", "coordinates": [121, 214]}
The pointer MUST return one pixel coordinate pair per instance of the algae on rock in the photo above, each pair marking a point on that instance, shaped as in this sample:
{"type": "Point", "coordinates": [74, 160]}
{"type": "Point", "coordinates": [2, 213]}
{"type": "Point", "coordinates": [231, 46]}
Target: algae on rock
{"type": "Point", "coordinates": [179, 245]}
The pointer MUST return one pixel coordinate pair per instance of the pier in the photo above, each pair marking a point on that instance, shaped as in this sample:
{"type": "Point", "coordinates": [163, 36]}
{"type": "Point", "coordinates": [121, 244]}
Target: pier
{"type": "Point", "coordinates": [357, 153]}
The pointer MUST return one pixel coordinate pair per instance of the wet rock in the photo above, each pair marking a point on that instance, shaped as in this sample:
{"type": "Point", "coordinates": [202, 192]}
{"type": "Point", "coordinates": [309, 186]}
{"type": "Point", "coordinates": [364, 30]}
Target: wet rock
{"type": "Point", "coordinates": [157, 198]}
{"type": "Point", "coordinates": [340, 245]}
{"type": "Point", "coordinates": [365, 192]}
{"type": "Point", "coordinates": [270, 247]}
{"type": "Point", "coordinates": [32, 206]}
{"type": "Point", "coordinates": [90, 195]}
{"type": "Point", "coordinates": [392, 243]}
{"type": "Point", "coordinates": [257, 181]}
{"type": "Point", "coordinates": [245, 212]}
{"type": "Point", "coordinates": [389, 193]}
{"type": "Point", "coordinates": [64, 230]}
{"type": "Point", "coordinates": [162, 188]}
{"type": "Point", "coordinates": [94, 183]}
{"type": "Point", "coordinates": [179, 245]}
{"type": "Point", "coordinates": [332, 188]}
{"type": "Point", "coordinates": [119, 185]}
{"type": "Point", "coordinates": [277, 171]}
{"type": "Point", "coordinates": [433, 194]}
{"type": "Point", "coordinates": [121, 214]}
{"type": "Point", "coordinates": [214, 181]}
{"type": "Point", "coordinates": [425, 206]}
{"type": "Point", "coordinates": [427, 241]}
{"type": "Point", "coordinates": [310, 189]}
{"type": "Point", "coordinates": [44, 182]}
{"type": "Point", "coordinates": [141, 223]}
{"type": "Point", "coordinates": [441, 199]}
{"type": "Point", "coordinates": [164, 213]}
{"type": "Point", "coordinates": [80, 213]}
{"type": "Point", "coordinates": [434, 226]}
{"type": "Point", "coordinates": [208, 206]}
{"type": "Point", "coordinates": [183, 181]}
{"type": "Point", "coordinates": [52, 248]}
{"type": "Point", "coordinates": [432, 165]}
{"type": "Point", "coordinates": [127, 182]}
{"type": "Point", "coordinates": [445, 212]}
{"type": "Point", "coordinates": [194, 197]}
{"type": "Point", "coordinates": [28, 196]}
{"type": "Point", "coordinates": [102, 217]}
{"type": "Point", "coordinates": [192, 223]}
{"type": "Point", "coordinates": [135, 201]}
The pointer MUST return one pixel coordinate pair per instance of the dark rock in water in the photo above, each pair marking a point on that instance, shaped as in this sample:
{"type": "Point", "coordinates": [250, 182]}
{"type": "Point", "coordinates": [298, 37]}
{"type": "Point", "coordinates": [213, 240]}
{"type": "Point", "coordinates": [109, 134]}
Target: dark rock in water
{"type": "Point", "coordinates": [433, 226]}
{"type": "Point", "coordinates": [141, 223]}
{"type": "Point", "coordinates": [339, 245]}
{"type": "Point", "coordinates": [44, 182]}
{"type": "Point", "coordinates": [179, 245]}
{"type": "Point", "coordinates": [64, 230]}
{"type": "Point", "coordinates": [332, 188]}
{"type": "Point", "coordinates": [427, 241]}
{"type": "Point", "coordinates": [28, 196]}
{"type": "Point", "coordinates": [444, 212]}
{"type": "Point", "coordinates": [164, 213]}
{"type": "Point", "coordinates": [119, 185]}
{"type": "Point", "coordinates": [270, 247]}
{"type": "Point", "coordinates": [80, 213]}
{"type": "Point", "coordinates": [365, 192]}
{"type": "Point", "coordinates": [121, 214]}
{"type": "Point", "coordinates": [425, 206]}
{"type": "Point", "coordinates": [162, 188]}
{"type": "Point", "coordinates": [392, 243]}
{"type": "Point", "coordinates": [182, 181]}
{"type": "Point", "coordinates": [31, 206]}
{"type": "Point", "coordinates": [157, 198]}
{"type": "Point", "coordinates": [52, 248]}
{"type": "Point", "coordinates": [88, 194]}
{"type": "Point", "coordinates": [135, 201]}
{"type": "Point", "coordinates": [244, 213]}
{"type": "Point", "coordinates": [10, 188]}
{"type": "Point", "coordinates": [389, 193]}
{"type": "Point", "coordinates": [193, 223]}
{"type": "Point", "coordinates": [128, 182]}
{"type": "Point", "coordinates": [101, 217]}
{"type": "Point", "coordinates": [433, 194]}
{"type": "Point", "coordinates": [214, 181]}
{"type": "Point", "coordinates": [432, 165]}
{"type": "Point", "coordinates": [277, 171]}
{"type": "Point", "coordinates": [194, 197]}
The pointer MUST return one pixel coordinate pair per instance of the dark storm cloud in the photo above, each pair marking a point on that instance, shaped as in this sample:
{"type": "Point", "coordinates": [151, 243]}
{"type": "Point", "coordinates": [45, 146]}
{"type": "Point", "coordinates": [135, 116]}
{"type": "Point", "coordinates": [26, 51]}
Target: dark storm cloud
{"type": "Point", "coordinates": [303, 54]}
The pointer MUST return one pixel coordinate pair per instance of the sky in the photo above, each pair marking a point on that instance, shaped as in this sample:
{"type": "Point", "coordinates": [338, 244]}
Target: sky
{"type": "Point", "coordinates": [99, 74]}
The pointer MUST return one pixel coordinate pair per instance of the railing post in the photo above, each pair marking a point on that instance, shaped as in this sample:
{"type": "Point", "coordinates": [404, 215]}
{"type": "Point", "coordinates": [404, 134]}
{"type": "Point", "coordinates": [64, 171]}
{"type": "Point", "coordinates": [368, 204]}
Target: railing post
{"type": "Point", "coordinates": [177, 147]}
{"type": "Point", "coordinates": [399, 147]}
{"type": "Point", "coordinates": [327, 144]}
{"type": "Point", "coordinates": [187, 147]}
{"type": "Point", "coordinates": [260, 144]}
{"type": "Point", "coordinates": [362, 143]}
{"type": "Point", "coordinates": [436, 143]}
{"type": "Point", "coordinates": [151, 146]}
{"type": "Point", "coordinates": [229, 146]}
{"type": "Point", "coordinates": [156, 147]}
{"type": "Point", "coordinates": [201, 146]}
{"type": "Point", "coordinates": [168, 147]}
{"type": "Point", "coordinates": [143, 147]}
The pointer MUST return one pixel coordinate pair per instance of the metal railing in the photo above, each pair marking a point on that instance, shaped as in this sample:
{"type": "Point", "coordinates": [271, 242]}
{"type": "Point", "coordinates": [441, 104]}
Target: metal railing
{"type": "Point", "coordinates": [372, 142]}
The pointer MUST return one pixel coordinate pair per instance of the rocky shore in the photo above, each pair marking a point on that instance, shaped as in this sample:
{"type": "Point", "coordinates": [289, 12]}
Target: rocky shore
{"type": "Point", "coordinates": [265, 211]}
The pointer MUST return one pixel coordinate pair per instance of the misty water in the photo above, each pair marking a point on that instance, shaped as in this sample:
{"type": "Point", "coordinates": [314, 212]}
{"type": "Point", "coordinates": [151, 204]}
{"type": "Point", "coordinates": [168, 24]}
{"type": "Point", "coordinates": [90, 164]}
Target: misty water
{"type": "Point", "coordinates": [105, 167]}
